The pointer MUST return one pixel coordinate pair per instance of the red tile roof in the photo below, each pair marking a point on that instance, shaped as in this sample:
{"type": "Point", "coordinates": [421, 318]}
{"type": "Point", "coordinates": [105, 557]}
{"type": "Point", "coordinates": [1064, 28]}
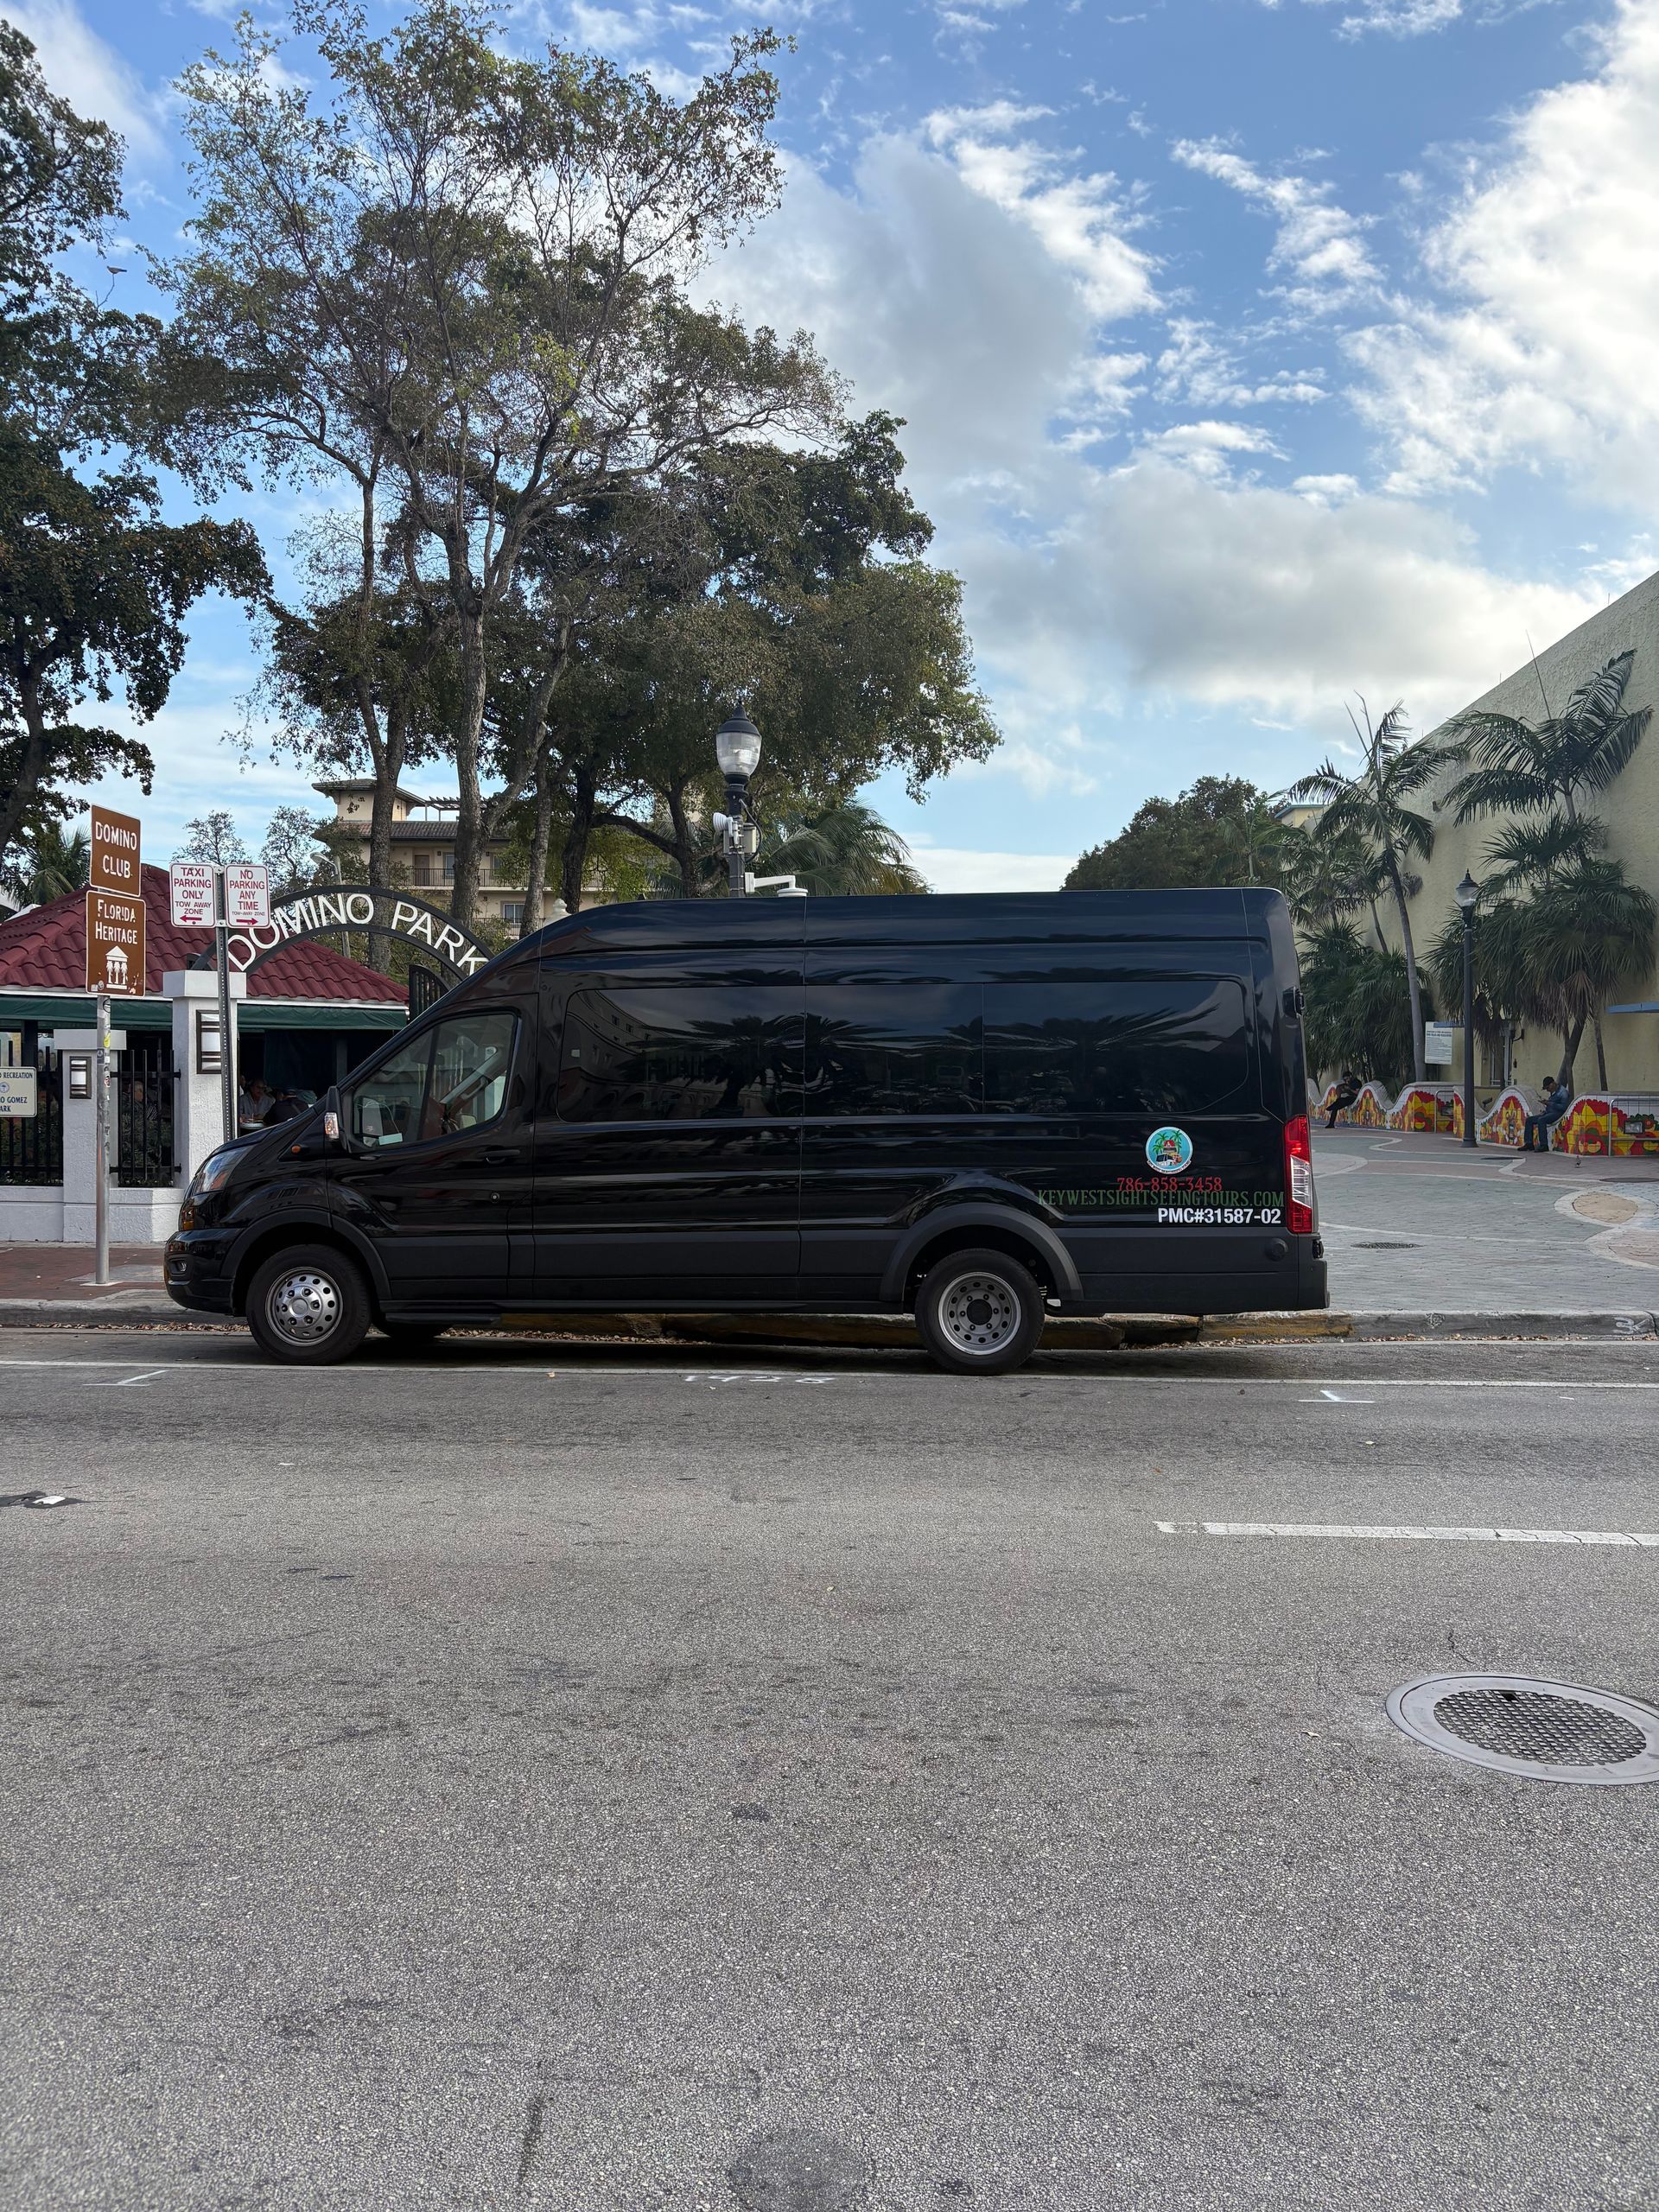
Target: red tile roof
{"type": "Point", "coordinates": [44, 949]}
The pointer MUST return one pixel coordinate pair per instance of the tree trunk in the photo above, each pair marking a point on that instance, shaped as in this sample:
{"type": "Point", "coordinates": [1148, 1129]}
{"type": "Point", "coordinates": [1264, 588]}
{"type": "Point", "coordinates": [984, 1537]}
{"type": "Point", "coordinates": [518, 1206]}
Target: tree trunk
{"type": "Point", "coordinates": [388, 753]}
{"type": "Point", "coordinates": [574, 860]}
{"type": "Point", "coordinates": [469, 813]}
{"type": "Point", "coordinates": [685, 851]}
{"type": "Point", "coordinates": [1414, 990]}
{"type": "Point", "coordinates": [1601, 1052]}
{"type": "Point", "coordinates": [15, 803]}
{"type": "Point", "coordinates": [541, 831]}
{"type": "Point", "coordinates": [1571, 1040]}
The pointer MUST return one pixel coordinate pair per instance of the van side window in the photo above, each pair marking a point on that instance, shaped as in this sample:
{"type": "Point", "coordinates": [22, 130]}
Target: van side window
{"type": "Point", "coordinates": [1132, 1048]}
{"type": "Point", "coordinates": [885, 1048]}
{"type": "Point", "coordinates": [680, 1053]}
{"type": "Point", "coordinates": [449, 1079]}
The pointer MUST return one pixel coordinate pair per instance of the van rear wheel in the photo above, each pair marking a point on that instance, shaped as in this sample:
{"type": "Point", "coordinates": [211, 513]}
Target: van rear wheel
{"type": "Point", "coordinates": [979, 1311]}
{"type": "Point", "coordinates": [308, 1306]}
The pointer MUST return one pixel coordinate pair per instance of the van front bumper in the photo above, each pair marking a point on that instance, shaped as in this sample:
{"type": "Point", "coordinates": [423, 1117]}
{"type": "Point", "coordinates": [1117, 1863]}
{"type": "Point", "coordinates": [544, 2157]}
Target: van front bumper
{"type": "Point", "coordinates": [195, 1270]}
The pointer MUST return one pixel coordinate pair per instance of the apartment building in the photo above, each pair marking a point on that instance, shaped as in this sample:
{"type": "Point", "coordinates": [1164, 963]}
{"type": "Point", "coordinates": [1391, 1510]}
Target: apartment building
{"type": "Point", "coordinates": [423, 839]}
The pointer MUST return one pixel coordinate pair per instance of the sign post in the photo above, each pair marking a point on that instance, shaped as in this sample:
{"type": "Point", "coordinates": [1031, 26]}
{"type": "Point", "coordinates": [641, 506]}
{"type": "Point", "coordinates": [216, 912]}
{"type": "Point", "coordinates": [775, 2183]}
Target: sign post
{"type": "Point", "coordinates": [222, 966]}
{"type": "Point", "coordinates": [233, 895]}
{"type": "Point", "coordinates": [115, 963]}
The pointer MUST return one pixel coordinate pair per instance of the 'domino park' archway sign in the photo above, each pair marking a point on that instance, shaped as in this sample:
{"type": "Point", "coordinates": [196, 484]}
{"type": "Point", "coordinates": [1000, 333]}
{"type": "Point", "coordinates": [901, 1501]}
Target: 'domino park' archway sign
{"type": "Point", "coordinates": [355, 906]}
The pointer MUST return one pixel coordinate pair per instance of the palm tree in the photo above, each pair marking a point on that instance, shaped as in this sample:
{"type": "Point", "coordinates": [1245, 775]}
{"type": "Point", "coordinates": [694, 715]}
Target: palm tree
{"type": "Point", "coordinates": [1374, 805]}
{"type": "Point", "coordinates": [1541, 772]}
{"type": "Point", "coordinates": [1587, 931]}
{"type": "Point", "coordinates": [48, 864]}
{"type": "Point", "coordinates": [1538, 767]}
{"type": "Point", "coordinates": [843, 850]}
{"type": "Point", "coordinates": [1357, 1003]}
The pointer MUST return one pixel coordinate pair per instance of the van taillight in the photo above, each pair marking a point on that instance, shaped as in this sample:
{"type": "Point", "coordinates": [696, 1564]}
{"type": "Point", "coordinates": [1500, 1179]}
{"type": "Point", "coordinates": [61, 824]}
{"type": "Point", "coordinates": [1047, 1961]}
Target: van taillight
{"type": "Point", "coordinates": [1298, 1178]}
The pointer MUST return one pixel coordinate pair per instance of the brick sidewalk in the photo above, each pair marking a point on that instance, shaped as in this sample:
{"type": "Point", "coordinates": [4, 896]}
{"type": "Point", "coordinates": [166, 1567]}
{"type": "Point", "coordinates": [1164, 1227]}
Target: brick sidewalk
{"type": "Point", "coordinates": [66, 1271]}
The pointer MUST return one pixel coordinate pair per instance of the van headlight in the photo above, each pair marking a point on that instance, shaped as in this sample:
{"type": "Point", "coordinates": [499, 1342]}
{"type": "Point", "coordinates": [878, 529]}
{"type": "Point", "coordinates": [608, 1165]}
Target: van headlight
{"type": "Point", "coordinates": [212, 1172]}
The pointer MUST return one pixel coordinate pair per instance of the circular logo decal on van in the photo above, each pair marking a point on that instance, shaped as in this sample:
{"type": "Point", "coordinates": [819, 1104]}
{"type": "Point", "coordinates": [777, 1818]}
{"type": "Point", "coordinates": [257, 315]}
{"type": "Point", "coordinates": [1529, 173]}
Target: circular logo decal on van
{"type": "Point", "coordinates": [1168, 1151]}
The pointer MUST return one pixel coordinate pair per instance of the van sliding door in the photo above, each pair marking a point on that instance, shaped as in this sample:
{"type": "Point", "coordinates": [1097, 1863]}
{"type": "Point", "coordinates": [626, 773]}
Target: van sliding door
{"type": "Point", "coordinates": [668, 1151]}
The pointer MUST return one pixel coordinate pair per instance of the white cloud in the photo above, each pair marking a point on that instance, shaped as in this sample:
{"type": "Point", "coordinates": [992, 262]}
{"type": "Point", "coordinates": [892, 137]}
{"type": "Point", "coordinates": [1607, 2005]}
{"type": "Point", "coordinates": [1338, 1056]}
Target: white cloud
{"type": "Point", "coordinates": [90, 75]}
{"type": "Point", "coordinates": [1196, 367]}
{"type": "Point", "coordinates": [923, 286]}
{"type": "Point", "coordinates": [1206, 447]}
{"type": "Point", "coordinates": [1326, 490]}
{"type": "Point", "coordinates": [1319, 245]}
{"type": "Point", "coordinates": [1545, 353]}
{"type": "Point", "coordinates": [1401, 18]}
{"type": "Point", "coordinates": [952, 868]}
{"type": "Point", "coordinates": [1163, 581]}
{"type": "Point", "coordinates": [1080, 218]}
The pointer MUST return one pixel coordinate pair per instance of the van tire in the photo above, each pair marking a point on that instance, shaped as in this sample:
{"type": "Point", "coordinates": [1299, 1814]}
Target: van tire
{"type": "Point", "coordinates": [308, 1306]}
{"type": "Point", "coordinates": [979, 1311]}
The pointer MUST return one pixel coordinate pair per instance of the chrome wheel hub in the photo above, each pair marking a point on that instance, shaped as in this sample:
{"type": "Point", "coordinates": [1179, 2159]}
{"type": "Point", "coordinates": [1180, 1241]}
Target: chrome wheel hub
{"type": "Point", "coordinates": [979, 1314]}
{"type": "Point", "coordinates": [304, 1307]}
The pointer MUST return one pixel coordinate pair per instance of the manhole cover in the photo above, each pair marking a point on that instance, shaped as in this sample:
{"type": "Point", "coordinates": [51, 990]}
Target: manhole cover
{"type": "Point", "coordinates": [1549, 1731]}
{"type": "Point", "coordinates": [1381, 1244]}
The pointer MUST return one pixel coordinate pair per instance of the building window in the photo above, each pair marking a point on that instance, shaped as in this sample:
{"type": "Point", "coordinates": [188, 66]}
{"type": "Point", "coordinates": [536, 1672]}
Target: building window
{"type": "Point", "coordinates": [423, 871]}
{"type": "Point", "coordinates": [448, 867]}
{"type": "Point", "coordinates": [512, 910]}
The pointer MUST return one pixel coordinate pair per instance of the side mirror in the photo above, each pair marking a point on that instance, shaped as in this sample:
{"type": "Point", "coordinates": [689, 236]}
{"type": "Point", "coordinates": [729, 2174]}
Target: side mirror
{"type": "Point", "coordinates": [332, 1120]}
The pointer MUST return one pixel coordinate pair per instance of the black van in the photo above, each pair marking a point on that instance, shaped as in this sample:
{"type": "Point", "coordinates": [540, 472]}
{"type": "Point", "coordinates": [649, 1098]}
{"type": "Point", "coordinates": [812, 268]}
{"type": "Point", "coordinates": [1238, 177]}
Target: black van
{"type": "Point", "coordinates": [978, 1109]}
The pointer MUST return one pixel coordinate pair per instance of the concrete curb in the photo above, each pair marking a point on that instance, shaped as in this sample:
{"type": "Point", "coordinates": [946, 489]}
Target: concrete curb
{"type": "Point", "coordinates": [127, 1309]}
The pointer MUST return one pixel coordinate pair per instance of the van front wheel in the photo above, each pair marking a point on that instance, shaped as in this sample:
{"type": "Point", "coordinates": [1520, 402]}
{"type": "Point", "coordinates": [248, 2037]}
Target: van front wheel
{"type": "Point", "coordinates": [308, 1306]}
{"type": "Point", "coordinates": [979, 1312]}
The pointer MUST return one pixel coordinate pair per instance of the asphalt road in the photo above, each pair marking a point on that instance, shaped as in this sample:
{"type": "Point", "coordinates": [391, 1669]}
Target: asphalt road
{"type": "Point", "coordinates": [443, 1782]}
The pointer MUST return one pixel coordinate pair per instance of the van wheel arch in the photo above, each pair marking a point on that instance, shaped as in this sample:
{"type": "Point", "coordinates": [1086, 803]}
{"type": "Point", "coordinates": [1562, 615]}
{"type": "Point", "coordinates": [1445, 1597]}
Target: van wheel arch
{"type": "Point", "coordinates": [272, 1241]}
{"type": "Point", "coordinates": [976, 1236]}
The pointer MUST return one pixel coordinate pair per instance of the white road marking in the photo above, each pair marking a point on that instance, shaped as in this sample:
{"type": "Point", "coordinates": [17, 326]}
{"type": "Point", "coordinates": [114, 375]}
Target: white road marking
{"type": "Point", "coordinates": [127, 1382]}
{"type": "Point", "coordinates": [1409, 1534]}
{"type": "Point", "coordinates": [1335, 1398]}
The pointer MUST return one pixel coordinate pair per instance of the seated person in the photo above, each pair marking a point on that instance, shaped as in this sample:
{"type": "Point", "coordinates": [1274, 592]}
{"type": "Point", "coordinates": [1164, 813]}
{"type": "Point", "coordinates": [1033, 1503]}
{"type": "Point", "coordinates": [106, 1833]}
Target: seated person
{"type": "Point", "coordinates": [1348, 1089]}
{"type": "Point", "coordinates": [1558, 1096]}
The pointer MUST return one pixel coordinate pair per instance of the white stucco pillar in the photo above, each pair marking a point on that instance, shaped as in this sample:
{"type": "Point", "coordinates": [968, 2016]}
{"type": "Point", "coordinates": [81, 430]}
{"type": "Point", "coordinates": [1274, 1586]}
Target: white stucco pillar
{"type": "Point", "coordinates": [198, 1123]}
{"type": "Point", "coordinates": [79, 1048]}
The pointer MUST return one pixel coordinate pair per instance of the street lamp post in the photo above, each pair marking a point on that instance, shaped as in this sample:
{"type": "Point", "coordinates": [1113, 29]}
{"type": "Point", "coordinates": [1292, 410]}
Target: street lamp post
{"type": "Point", "coordinates": [1466, 894]}
{"type": "Point", "coordinates": [737, 748]}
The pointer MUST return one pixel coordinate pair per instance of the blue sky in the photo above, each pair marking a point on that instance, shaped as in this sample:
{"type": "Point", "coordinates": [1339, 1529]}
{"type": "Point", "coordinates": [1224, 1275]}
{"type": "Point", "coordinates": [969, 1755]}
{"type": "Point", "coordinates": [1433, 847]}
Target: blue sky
{"type": "Point", "coordinates": [1252, 355]}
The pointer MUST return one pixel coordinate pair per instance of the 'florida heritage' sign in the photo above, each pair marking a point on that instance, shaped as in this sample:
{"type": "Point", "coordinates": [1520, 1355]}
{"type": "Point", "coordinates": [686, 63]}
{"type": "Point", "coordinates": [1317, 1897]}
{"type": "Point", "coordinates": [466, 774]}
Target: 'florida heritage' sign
{"type": "Point", "coordinates": [355, 906]}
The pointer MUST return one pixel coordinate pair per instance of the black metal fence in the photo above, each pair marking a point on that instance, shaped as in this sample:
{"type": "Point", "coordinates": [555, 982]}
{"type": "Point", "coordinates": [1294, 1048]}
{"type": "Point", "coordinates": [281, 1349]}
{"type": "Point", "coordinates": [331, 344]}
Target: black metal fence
{"type": "Point", "coordinates": [31, 1150]}
{"type": "Point", "coordinates": [143, 1089]}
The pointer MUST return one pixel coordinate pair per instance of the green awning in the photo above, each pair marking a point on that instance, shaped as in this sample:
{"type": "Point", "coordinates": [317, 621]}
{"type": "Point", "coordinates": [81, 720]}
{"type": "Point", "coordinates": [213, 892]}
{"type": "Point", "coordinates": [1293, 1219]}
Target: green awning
{"type": "Point", "coordinates": [152, 1014]}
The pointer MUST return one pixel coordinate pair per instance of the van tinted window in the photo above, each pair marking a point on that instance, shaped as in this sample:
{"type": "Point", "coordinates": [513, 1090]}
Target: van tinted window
{"type": "Point", "coordinates": [667, 1053]}
{"type": "Point", "coordinates": [1155, 1047]}
{"type": "Point", "coordinates": [909, 1048]}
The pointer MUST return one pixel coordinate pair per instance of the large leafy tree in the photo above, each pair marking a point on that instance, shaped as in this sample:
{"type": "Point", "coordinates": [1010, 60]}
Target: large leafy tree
{"type": "Point", "coordinates": [461, 279]}
{"type": "Point", "coordinates": [794, 582]}
{"type": "Point", "coordinates": [1376, 805]}
{"type": "Point", "coordinates": [94, 586]}
{"type": "Point", "coordinates": [1222, 830]}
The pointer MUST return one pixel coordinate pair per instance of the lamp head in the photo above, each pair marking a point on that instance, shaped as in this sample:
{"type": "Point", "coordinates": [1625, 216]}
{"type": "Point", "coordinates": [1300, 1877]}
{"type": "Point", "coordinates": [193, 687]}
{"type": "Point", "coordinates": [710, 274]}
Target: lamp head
{"type": "Point", "coordinates": [737, 746]}
{"type": "Point", "coordinates": [1466, 893]}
